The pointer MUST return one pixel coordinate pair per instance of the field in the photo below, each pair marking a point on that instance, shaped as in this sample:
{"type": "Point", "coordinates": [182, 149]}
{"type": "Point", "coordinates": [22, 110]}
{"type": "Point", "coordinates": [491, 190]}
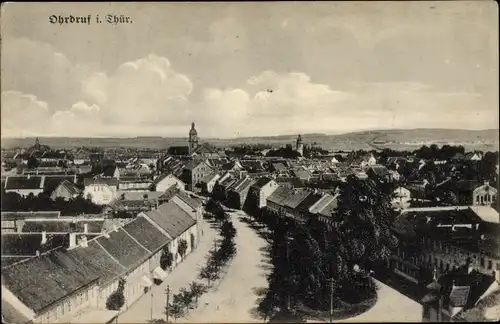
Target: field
{"type": "Point", "coordinates": [486, 140]}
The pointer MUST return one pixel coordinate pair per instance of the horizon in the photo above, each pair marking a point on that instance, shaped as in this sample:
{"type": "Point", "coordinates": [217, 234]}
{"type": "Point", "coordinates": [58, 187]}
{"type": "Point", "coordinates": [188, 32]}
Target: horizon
{"type": "Point", "coordinates": [256, 136]}
{"type": "Point", "coordinates": [249, 69]}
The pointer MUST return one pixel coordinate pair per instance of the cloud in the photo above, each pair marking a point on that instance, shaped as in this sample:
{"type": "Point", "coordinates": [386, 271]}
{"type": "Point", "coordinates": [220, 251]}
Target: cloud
{"type": "Point", "coordinates": [145, 91]}
{"type": "Point", "coordinates": [37, 68]}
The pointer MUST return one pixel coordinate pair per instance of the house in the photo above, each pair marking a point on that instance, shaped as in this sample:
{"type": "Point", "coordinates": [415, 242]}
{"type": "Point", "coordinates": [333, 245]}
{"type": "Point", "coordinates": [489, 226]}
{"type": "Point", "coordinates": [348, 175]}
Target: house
{"type": "Point", "coordinates": [279, 168]}
{"type": "Point", "coordinates": [237, 193]}
{"type": "Point", "coordinates": [324, 208]}
{"type": "Point", "coordinates": [401, 197]}
{"type": "Point", "coordinates": [101, 191]}
{"type": "Point", "coordinates": [73, 282]}
{"type": "Point", "coordinates": [208, 183]}
{"type": "Point", "coordinates": [474, 156]}
{"type": "Point", "coordinates": [206, 151]}
{"type": "Point", "coordinates": [24, 185]}
{"type": "Point", "coordinates": [66, 190]}
{"type": "Point", "coordinates": [51, 182]}
{"type": "Point", "coordinates": [443, 238]}
{"type": "Point", "coordinates": [275, 201]}
{"type": "Point", "coordinates": [193, 174]}
{"type": "Point", "coordinates": [378, 172]}
{"type": "Point", "coordinates": [301, 173]}
{"type": "Point", "coordinates": [110, 171]}
{"type": "Point", "coordinates": [261, 190]}
{"type": "Point", "coordinates": [394, 175]}
{"type": "Point", "coordinates": [463, 191]}
{"type": "Point", "coordinates": [164, 181]}
{"type": "Point", "coordinates": [177, 224]}
{"type": "Point", "coordinates": [125, 184]}
{"type": "Point", "coordinates": [484, 195]}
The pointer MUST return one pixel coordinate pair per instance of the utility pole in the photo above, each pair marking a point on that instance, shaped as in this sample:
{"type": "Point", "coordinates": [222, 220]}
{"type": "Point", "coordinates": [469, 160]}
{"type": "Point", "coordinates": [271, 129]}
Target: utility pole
{"type": "Point", "coordinates": [167, 310]}
{"type": "Point", "coordinates": [151, 310]}
{"type": "Point", "coordinates": [331, 299]}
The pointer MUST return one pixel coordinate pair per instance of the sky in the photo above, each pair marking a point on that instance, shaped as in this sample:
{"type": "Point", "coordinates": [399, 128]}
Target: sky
{"type": "Point", "coordinates": [248, 69]}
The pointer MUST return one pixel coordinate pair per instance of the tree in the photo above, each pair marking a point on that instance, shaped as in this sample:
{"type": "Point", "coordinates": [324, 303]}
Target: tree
{"type": "Point", "coordinates": [182, 248]}
{"type": "Point", "coordinates": [166, 258]}
{"type": "Point", "coordinates": [176, 308]}
{"type": "Point", "coordinates": [210, 273]}
{"type": "Point", "coordinates": [227, 230]}
{"type": "Point", "coordinates": [116, 300]}
{"type": "Point", "coordinates": [186, 298]}
{"type": "Point", "coordinates": [197, 289]}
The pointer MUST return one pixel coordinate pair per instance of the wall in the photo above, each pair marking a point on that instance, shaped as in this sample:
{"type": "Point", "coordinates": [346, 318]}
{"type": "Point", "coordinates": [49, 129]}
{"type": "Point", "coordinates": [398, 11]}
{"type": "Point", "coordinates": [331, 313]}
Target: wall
{"type": "Point", "coordinates": [70, 306]}
{"type": "Point", "coordinates": [100, 194]}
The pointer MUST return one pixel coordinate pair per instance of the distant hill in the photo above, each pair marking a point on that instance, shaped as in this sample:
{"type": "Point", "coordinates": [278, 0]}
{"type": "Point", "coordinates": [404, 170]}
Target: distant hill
{"type": "Point", "coordinates": [395, 138]}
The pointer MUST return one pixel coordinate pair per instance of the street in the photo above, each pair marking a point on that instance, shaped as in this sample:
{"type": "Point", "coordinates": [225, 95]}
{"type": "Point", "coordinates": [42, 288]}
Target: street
{"type": "Point", "coordinates": [180, 277]}
{"type": "Point", "coordinates": [236, 296]}
{"type": "Point", "coordinates": [391, 306]}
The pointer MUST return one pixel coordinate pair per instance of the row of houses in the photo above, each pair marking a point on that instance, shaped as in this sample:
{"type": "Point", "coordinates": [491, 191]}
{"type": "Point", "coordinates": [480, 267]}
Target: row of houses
{"type": "Point", "coordinates": [72, 283]}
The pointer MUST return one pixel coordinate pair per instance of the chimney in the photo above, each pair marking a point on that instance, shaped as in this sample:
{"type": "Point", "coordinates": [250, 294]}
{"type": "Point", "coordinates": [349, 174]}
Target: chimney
{"type": "Point", "coordinates": [72, 241]}
{"type": "Point", "coordinates": [44, 237]}
{"type": "Point", "coordinates": [85, 228]}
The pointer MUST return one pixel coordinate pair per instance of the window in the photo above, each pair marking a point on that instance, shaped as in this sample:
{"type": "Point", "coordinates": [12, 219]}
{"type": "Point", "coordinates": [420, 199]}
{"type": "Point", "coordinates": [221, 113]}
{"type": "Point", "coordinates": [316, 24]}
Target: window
{"type": "Point", "coordinates": [490, 265]}
{"type": "Point", "coordinates": [482, 262]}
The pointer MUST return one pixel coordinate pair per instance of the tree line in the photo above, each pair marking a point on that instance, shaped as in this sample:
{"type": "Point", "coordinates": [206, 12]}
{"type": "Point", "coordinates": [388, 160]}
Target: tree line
{"type": "Point", "coordinates": [12, 201]}
{"type": "Point", "coordinates": [315, 265]}
{"type": "Point", "coordinates": [217, 259]}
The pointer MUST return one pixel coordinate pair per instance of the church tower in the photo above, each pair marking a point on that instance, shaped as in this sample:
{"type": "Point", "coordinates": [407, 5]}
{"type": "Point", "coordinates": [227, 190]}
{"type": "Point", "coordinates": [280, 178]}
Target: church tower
{"type": "Point", "coordinates": [193, 139]}
{"type": "Point", "coordinates": [300, 145]}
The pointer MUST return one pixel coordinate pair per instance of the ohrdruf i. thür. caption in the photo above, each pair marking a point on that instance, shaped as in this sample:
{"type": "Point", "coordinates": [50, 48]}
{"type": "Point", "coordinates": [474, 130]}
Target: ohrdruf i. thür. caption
{"type": "Point", "coordinates": [87, 20]}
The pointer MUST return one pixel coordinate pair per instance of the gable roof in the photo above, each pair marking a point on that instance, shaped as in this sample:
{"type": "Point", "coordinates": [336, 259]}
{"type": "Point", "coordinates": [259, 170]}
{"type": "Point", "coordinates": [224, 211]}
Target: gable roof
{"type": "Point", "coordinates": [279, 195]}
{"type": "Point", "coordinates": [146, 234]}
{"type": "Point", "coordinates": [194, 164]}
{"type": "Point", "coordinates": [70, 187]}
{"type": "Point", "coordinates": [209, 177]}
{"type": "Point", "coordinates": [205, 148]}
{"type": "Point", "coordinates": [27, 244]}
{"type": "Point", "coordinates": [380, 170]}
{"type": "Point", "coordinates": [296, 197]}
{"type": "Point", "coordinates": [261, 182]}
{"type": "Point", "coordinates": [171, 218]}
{"type": "Point", "coordinates": [16, 182]}
{"type": "Point", "coordinates": [194, 203]}
{"type": "Point", "coordinates": [309, 201]}
{"type": "Point", "coordinates": [41, 281]}
{"type": "Point", "coordinates": [123, 248]}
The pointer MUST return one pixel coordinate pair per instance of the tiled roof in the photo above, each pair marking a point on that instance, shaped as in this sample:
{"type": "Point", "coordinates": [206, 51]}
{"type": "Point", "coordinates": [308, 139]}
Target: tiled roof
{"type": "Point", "coordinates": [279, 195]}
{"type": "Point", "coordinates": [193, 164]}
{"type": "Point", "coordinates": [146, 233]}
{"type": "Point", "coordinates": [28, 244]}
{"type": "Point", "coordinates": [58, 226]}
{"type": "Point", "coordinates": [15, 215]}
{"type": "Point", "coordinates": [171, 218]}
{"type": "Point", "coordinates": [205, 148]}
{"type": "Point", "coordinates": [246, 184]}
{"type": "Point", "coordinates": [39, 282]}
{"type": "Point", "coordinates": [279, 166]}
{"type": "Point", "coordinates": [297, 196]}
{"type": "Point", "coordinates": [380, 170]}
{"type": "Point", "coordinates": [308, 202]}
{"type": "Point", "coordinates": [97, 259]}
{"type": "Point", "coordinates": [123, 248]}
{"type": "Point", "coordinates": [194, 203]}
{"type": "Point", "coordinates": [209, 177]}
{"type": "Point", "coordinates": [329, 208]}
{"type": "Point", "coordinates": [15, 182]}
{"type": "Point", "coordinates": [71, 187]}
{"type": "Point", "coordinates": [261, 182]}
{"type": "Point", "coordinates": [459, 296]}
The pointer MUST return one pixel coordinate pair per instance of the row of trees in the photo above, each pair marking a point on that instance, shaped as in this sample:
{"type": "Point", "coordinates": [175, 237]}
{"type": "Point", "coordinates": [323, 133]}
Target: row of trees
{"type": "Point", "coordinates": [12, 201]}
{"type": "Point", "coordinates": [315, 264]}
{"type": "Point", "coordinates": [217, 259]}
